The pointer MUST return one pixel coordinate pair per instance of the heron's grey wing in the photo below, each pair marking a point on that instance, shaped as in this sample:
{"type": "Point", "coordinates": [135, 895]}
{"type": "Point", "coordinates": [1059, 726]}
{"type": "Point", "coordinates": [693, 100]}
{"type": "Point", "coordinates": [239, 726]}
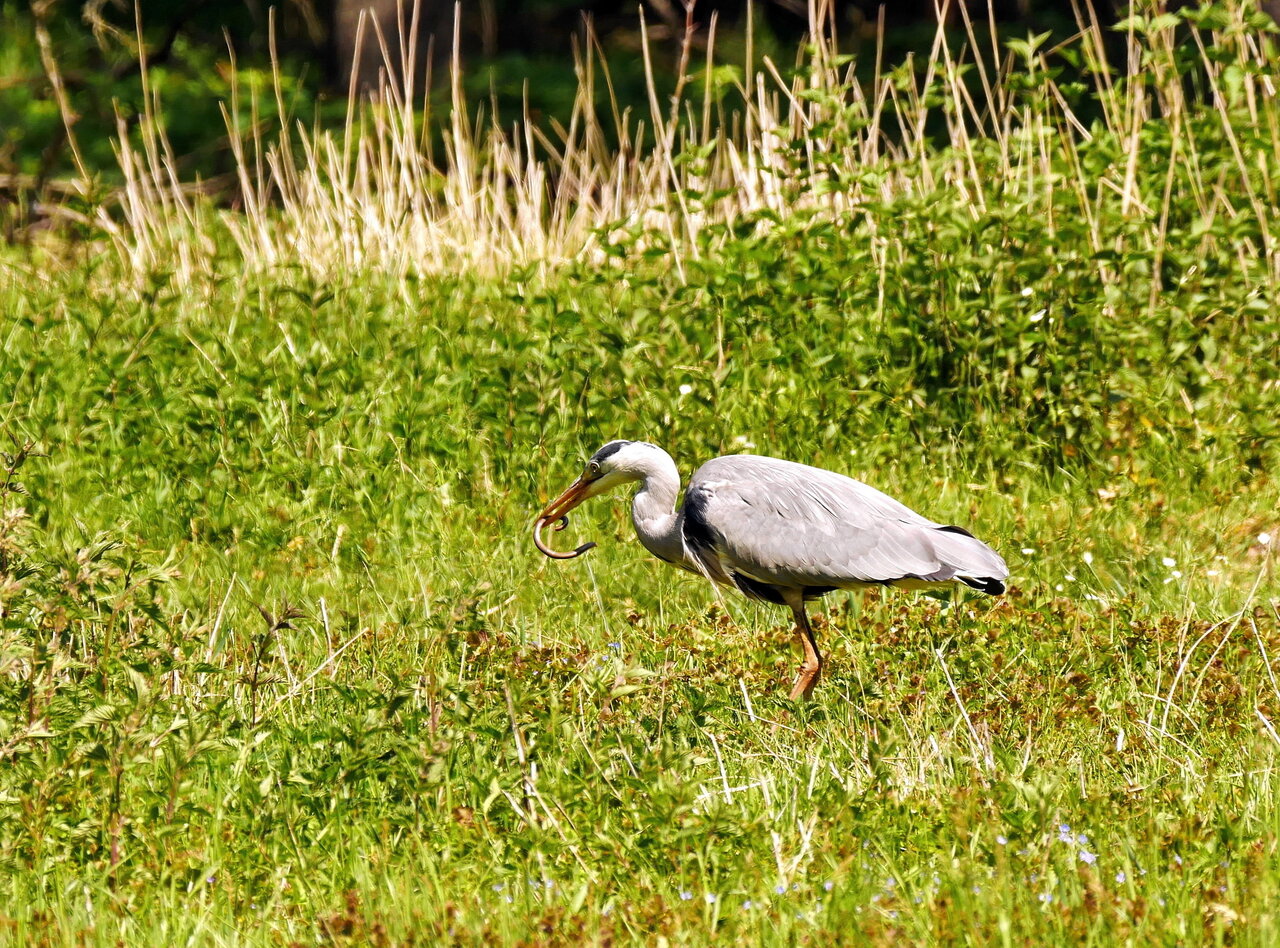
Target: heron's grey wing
{"type": "Point", "coordinates": [792, 525]}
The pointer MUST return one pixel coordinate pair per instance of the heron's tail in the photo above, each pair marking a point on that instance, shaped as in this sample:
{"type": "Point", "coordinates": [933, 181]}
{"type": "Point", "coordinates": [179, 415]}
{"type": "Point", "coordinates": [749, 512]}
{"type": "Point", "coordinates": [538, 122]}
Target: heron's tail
{"type": "Point", "coordinates": [992, 587]}
{"type": "Point", "coordinates": [969, 560]}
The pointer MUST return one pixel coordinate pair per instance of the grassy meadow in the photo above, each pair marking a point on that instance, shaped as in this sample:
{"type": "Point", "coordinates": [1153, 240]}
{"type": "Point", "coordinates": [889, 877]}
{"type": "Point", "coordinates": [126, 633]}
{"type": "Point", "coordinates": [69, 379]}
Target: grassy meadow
{"type": "Point", "coordinates": [280, 664]}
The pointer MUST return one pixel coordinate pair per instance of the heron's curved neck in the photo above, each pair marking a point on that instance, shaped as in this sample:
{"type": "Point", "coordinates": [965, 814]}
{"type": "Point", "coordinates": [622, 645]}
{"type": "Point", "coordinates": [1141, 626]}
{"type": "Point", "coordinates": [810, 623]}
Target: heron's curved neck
{"type": "Point", "coordinates": [653, 509]}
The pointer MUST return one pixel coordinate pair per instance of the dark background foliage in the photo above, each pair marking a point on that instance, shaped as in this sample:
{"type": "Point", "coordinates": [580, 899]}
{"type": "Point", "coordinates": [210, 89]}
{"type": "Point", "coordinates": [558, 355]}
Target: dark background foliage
{"type": "Point", "coordinates": [516, 56]}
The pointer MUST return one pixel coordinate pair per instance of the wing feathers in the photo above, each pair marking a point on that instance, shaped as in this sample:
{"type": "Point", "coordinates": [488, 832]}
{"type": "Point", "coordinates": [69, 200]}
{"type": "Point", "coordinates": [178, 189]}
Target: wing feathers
{"type": "Point", "coordinates": [792, 525]}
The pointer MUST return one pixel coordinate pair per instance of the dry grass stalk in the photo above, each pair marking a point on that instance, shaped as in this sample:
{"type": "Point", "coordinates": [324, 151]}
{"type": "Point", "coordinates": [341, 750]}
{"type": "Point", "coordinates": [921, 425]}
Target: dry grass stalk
{"type": "Point", "coordinates": [373, 195]}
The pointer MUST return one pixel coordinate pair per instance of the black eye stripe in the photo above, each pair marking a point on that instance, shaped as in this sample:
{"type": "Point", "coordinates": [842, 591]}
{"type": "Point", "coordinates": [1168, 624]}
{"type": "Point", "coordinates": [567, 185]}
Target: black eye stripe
{"type": "Point", "coordinates": [608, 451]}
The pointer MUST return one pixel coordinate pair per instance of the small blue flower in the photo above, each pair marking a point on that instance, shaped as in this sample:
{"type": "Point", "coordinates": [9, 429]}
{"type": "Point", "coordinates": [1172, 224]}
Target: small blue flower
{"type": "Point", "coordinates": [780, 889]}
{"type": "Point", "coordinates": [615, 645]}
{"type": "Point", "coordinates": [1045, 897]}
{"type": "Point", "coordinates": [890, 882]}
{"type": "Point", "coordinates": [1120, 876]}
{"type": "Point", "coordinates": [828, 885]}
{"type": "Point", "coordinates": [685, 895]}
{"type": "Point", "coordinates": [1088, 857]}
{"type": "Point", "coordinates": [1082, 839]}
{"type": "Point", "coordinates": [710, 897]}
{"type": "Point", "coordinates": [1002, 840]}
{"type": "Point", "coordinates": [748, 904]}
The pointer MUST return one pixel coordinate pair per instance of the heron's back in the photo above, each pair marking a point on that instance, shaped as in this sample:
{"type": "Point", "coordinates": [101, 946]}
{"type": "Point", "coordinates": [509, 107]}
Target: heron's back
{"type": "Point", "coordinates": [755, 520]}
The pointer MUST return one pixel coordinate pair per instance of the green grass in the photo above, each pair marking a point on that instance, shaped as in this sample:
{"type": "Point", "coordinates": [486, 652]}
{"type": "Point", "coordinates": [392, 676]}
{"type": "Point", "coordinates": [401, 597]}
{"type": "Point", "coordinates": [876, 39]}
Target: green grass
{"type": "Point", "coordinates": [279, 663]}
{"type": "Point", "coordinates": [453, 721]}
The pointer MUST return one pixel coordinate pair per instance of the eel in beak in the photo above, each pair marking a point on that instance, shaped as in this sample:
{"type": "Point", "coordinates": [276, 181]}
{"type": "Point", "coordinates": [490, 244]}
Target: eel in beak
{"type": "Point", "coordinates": [558, 510]}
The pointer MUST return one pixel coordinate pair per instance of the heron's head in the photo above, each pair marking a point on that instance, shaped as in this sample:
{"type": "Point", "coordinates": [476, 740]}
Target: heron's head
{"type": "Point", "coordinates": [618, 462]}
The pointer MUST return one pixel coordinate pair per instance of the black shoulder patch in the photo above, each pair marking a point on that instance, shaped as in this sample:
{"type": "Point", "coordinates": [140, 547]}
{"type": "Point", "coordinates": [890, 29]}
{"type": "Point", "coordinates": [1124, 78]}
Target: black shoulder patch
{"type": "Point", "coordinates": [699, 535]}
{"type": "Point", "coordinates": [609, 450]}
{"type": "Point", "coordinates": [960, 530]}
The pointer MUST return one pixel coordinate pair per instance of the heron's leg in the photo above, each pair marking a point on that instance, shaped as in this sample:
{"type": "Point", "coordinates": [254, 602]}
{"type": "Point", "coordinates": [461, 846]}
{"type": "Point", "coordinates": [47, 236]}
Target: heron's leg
{"type": "Point", "coordinates": [811, 667]}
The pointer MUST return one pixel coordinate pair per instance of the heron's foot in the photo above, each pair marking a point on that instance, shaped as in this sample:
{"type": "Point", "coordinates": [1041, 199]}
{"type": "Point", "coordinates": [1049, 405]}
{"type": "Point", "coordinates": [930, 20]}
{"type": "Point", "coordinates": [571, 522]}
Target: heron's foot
{"type": "Point", "coordinates": [806, 681]}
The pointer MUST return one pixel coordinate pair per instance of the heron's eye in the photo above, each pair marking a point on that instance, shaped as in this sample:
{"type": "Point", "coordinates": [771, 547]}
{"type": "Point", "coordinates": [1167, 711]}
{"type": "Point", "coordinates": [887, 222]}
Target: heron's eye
{"type": "Point", "coordinates": [593, 468]}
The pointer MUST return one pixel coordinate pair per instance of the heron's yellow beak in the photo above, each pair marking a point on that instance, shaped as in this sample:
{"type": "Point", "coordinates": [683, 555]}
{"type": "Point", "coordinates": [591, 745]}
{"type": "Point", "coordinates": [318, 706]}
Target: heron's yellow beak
{"type": "Point", "coordinates": [575, 495]}
{"type": "Point", "coordinates": [559, 509]}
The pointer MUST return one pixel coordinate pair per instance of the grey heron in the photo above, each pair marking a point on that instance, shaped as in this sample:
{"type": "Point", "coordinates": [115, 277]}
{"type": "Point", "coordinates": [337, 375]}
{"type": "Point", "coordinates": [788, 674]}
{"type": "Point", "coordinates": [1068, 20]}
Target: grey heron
{"type": "Point", "coordinates": [778, 531]}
